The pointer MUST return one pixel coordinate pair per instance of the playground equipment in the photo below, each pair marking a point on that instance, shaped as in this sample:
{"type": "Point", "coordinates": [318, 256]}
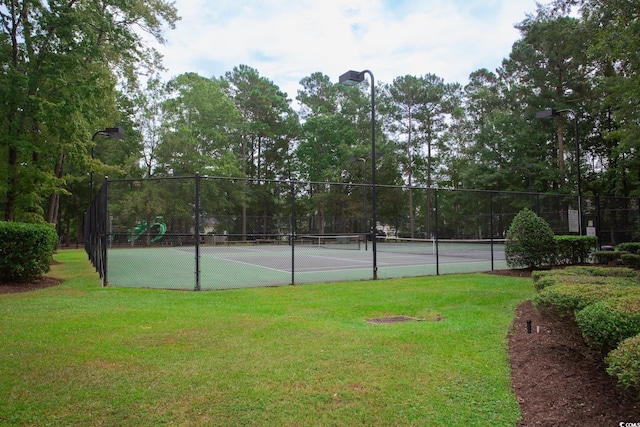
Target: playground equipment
{"type": "Point", "coordinates": [157, 228]}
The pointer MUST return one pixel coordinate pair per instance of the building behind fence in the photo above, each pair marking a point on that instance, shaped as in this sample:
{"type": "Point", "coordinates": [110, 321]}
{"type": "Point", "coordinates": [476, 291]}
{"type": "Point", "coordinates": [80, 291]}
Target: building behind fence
{"type": "Point", "coordinates": [156, 215]}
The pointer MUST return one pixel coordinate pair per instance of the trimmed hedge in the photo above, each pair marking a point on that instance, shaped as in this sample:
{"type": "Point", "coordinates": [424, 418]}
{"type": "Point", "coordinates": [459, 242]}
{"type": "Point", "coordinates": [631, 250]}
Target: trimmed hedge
{"type": "Point", "coordinates": [631, 247]}
{"type": "Point", "coordinates": [624, 365]}
{"type": "Point", "coordinates": [585, 275]}
{"type": "Point", "coordinates": [631, 260]}
{"type": "Point", "coordinates": [605, 302]}
{"type": "Point", "coordinates": [594, 270]}
{"type": "Point", "coordinates": [26, 251]}
{"type": "Point", "coordinates": [607, 323]}
{"type": "Point", "coordinates": [574, 249]}
{"type": "Point", "coordinates": [607, 257]}
{"type": "Point", "coordinates": [566, 298]}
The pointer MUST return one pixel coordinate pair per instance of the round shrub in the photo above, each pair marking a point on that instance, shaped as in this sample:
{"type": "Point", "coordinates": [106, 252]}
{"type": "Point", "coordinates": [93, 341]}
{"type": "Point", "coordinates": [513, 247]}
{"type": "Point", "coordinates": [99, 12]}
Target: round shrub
{"type": "Point", "coordinates": [529, 241]}
{"type": "Point", "coordinates": [25, 251]}
{"type": "Point", "coordinates": [623, 364]}
{"type": "Point", "coordinates": [607, 323]}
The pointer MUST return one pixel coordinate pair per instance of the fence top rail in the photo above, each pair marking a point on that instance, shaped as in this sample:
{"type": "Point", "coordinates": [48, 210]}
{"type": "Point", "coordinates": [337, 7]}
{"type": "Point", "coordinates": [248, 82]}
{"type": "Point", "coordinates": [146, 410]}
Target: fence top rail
{"type": "Point", "coordinates": [355, 184]}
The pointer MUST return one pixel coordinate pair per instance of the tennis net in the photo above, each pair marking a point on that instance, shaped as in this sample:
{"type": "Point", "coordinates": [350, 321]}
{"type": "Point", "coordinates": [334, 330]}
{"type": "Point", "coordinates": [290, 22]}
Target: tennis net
{"type": "Point", "coordinates": [470, 248]}
{"type": "Point", "coordinates": [344, 241]}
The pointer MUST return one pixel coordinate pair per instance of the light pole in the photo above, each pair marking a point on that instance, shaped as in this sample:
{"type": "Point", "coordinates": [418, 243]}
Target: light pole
{"type": "Point", "coordinates": [352, 78]}
{"type": "Point", "coordinates": [547, 114]}
{"type": "Point", "coordinates": [115, 133]}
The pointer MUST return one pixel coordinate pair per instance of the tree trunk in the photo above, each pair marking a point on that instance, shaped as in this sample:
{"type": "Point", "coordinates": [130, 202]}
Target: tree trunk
{"type": "Point", "coordinates": [54, 199]}
{"type": "Point", "coordinates": [12, 195]}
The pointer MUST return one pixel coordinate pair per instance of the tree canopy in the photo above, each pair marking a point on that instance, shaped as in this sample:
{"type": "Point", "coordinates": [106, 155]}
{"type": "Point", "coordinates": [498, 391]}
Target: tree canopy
{"type": "Point", "coordinates": [71, 68]}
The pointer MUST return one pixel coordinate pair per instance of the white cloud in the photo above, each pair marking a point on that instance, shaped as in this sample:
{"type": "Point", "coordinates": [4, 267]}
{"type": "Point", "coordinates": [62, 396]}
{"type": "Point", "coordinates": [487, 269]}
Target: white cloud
{"type": "Point", "coordinates": [288, 40]}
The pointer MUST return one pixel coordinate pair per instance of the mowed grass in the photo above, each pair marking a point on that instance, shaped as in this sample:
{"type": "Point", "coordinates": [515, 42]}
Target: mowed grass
{"type": "Point", "coordinates": [79, 354]}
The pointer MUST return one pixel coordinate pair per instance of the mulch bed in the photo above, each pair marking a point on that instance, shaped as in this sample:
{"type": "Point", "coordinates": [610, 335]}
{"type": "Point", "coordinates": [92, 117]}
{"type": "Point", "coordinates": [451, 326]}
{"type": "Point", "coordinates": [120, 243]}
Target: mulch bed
{"type": "Point", "coordinates": [558, 379]}
{"type": "Point", "coordinates": [45, 282]}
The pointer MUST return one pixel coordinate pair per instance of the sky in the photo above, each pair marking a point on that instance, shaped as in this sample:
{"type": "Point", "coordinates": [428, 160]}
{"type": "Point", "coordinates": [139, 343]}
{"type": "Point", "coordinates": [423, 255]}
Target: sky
{"type": "Point", "coordinates": [287, 40]}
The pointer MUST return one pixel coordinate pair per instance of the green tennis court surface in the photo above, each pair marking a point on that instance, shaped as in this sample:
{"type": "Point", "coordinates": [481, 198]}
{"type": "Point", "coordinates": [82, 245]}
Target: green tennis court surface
{"type": "Point", "coordinates": [253, 265]}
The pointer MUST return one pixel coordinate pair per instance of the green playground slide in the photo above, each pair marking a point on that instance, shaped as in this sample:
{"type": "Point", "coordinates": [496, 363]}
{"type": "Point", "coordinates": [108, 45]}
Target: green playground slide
{"type": "Point", "coordinates": [158, 228]}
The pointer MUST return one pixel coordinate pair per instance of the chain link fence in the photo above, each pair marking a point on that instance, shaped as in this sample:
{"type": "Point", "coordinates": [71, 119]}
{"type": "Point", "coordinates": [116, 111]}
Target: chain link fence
{"type": "Point", "coordinates": [198, 233]}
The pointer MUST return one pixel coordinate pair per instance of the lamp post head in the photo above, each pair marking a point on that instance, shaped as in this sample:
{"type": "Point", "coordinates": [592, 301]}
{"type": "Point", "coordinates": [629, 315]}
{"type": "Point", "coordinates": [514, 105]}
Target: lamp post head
{"type": "Point", "coordinates": [351, 78]}
{"type": "Point", "coordinates": [115, 133]}
{"type": "Point", "coordinates": [546, 114]}
{"type": "Point", "coordinates": [111, 133]}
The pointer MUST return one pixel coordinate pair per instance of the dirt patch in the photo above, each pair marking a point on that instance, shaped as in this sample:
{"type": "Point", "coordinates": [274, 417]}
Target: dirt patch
{"type": "Point", "coordinates": [558, 379]}
{"type": "Point", "coordinates": [515, 272]}
{"type": "Point", "coordinates": [45, 282]}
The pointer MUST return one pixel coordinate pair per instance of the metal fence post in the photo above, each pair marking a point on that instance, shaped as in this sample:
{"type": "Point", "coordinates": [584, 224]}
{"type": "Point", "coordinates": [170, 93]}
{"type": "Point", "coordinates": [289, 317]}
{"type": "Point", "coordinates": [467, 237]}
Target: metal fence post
{"type": "Point", "coordinates": [292, 233]}
{"type": "Point", "coordinates": [435, 228]}
{"type": "Point", "coordinates": [491, 227]}
{"type": "Point", "coordinates": [107, 236]}
{"type": "Point", "coordinates": [196, 233]}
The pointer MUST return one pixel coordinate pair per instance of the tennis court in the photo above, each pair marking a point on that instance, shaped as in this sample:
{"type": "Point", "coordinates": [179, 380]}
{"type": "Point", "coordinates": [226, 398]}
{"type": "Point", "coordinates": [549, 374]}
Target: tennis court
{"type": "Point", "coordinates": [310, 259]}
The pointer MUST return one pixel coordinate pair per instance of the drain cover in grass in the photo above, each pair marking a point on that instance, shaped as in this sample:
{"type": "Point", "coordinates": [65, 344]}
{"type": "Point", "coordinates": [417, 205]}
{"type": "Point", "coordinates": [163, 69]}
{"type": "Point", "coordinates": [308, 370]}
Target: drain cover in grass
{"type": "Point", "coordinates": [392, 319]}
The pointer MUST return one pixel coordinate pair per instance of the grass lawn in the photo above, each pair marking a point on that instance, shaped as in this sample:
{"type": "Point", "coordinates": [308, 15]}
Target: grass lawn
{"type": "Point", "coordinates": [79, 354]}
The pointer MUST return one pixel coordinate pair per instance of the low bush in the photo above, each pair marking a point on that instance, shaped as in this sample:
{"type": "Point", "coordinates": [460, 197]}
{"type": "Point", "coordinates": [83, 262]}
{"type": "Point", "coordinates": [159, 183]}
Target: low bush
{"type": "Point", "coordinates": [540, 274]}
{"type": "Point", "coordinates": [574, 249]}
{"type": "Point", "coordinates": [597, 271]}
{"type": "Point", "coordinates": [607, 257]}
{"type": "Point", "coordinates": [631, 247]}
{"type": "Point", "coordinates": [548, 280]}
{"type": "Point", "coordinates": [631, 260]}
{"type": "Point", "coordinates": [609, 322]}
{"type": "Point", "coordinates": [566, 298]}
{"type": "Point", "coordinates": [569, 279]}
{"type": "Point", "coordinates": [623, 364]}
{"type": "Point", "coordinates": [26, 251]}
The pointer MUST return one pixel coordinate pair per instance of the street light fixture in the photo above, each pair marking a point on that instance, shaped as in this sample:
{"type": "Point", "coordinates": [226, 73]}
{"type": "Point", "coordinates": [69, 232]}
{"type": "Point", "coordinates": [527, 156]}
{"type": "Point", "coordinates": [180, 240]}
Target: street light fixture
{"type": "Point", "coordinates": [549, 113]}
{"type": "Point", "coordinates": [109, 133]}
{"type": "Point", "coordinates": [352, 78]}
{"type": "Point", "coordinates": [527, 168]}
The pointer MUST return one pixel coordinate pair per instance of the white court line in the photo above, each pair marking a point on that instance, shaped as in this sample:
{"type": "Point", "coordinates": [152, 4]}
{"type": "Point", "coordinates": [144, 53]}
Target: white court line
{"type": "Point", "coordinates": [339, 259]}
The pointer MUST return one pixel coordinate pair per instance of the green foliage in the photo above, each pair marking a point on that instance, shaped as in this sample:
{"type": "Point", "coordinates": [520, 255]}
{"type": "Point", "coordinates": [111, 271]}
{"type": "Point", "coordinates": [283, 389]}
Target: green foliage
{"type": "Point", "coordinates": [529, 241]}
{"type": "Point", "coordinates": [59, 85]}
{"type": "Point", "coordinates": [574, 249]}
{"type": "Point", "coordinates": [597, 271]}
{"type": "Point", "coordinates": [584, 275]}
{"type": "Point", "coordinates": [624, 364]}
{"type": "Point", "coordinates": [607, 323]}
{"type": "Point", "coordinates": [25, 251]}
{"type": "Point", "coordinates": [607, 257]}
{"type": "Point", "coordinates": [631, 260]}
{"type": "Point", "coordinates": [541, 274]}
{"type": "Point", "coordinates": [568, 297]}
{"type": "Point", "coordinates": [630, 247]}
{"type": "Point", "coordinates": [568, 279]}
